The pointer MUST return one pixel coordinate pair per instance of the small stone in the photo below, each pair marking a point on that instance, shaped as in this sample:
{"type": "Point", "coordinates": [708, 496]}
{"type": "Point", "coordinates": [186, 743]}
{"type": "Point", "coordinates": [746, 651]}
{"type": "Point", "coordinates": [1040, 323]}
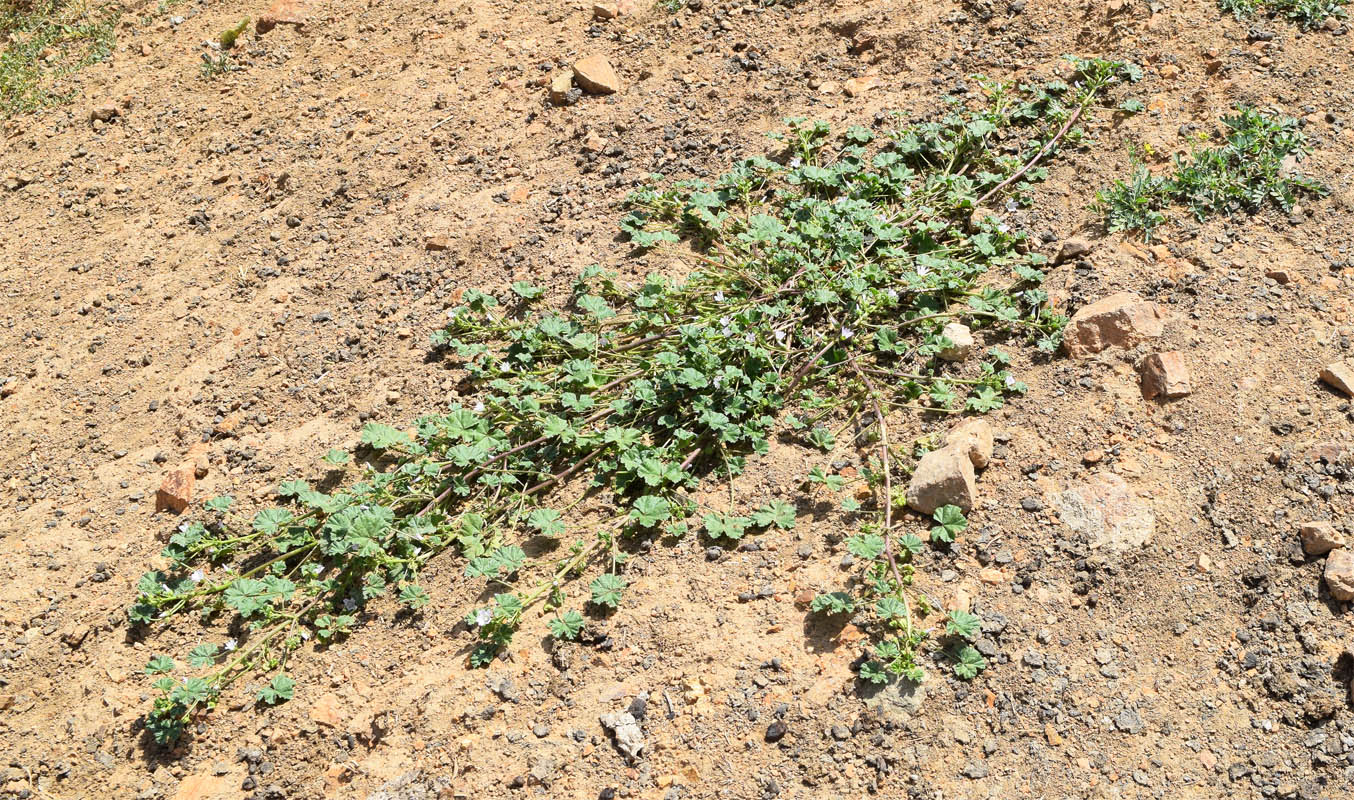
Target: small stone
{"type": "Point", "coordinates": [776, 731]}
{"type": "Point", "coordinates": [103, 113]}
{"type": "Point", "coordinates": [1092, 457]}
{"type": "Point", "coordinates": [1319, 538]}
{"type": "Point", "coordinates": [595, 75]}
{"type": "Point", "coordinates": [974, 437]}
{"type": "Point", "coordinates": [1129, 721]}
{"type": "Point", "coordinates": [1339, 375]}
{"type": "Point", "coordinates": [176, 491]}
{"type": "Point", "coordinates": [1164, 375]}
{"type": "Point", "coordinates": [1170, 71]}
{"type": "Point", "coordinates": [1073, 248]}
{"type": "Point", "coordinates": [436, 242]}
{"type": "Point", "coordinates": [1282, 277]}
{"type": "Point", "coordinates": [1340, 574]}
{"type": "Point", "coordinates": [841, 733]}
{"type": "Point", "coordinates": [961, 342]}
{"type": "Point", "coordinates": [855, 87]}
{"type": "Point", "coordinates": [943, 477]}
{"type": "Point", "coordinates": [1120, 320]}
{"type": "Point", "coordinates": [713, 553]}
{"type": "Point", "coordinates": [561, 87]}
{"type": "Point", "coordinates": [606, 10]}
{"type": "Point", "coordinates": [975, 770]}
{"type": "Point", "coordinates": [626, 733]}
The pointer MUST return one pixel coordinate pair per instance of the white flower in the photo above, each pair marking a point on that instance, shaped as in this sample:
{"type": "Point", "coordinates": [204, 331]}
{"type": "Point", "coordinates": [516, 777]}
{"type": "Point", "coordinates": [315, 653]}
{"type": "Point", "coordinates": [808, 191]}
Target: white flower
{"type": "Point", "coordinates": [717, 381]}
{"type": "Point", "coordinates": [483, 617]}
{"type": "Point", "coordinates": [229, 645]}
{"type": "Point", "coordinates": [892, 293]}
{"type": "Point", "coordinates": [719, 296]}
{"type": "Point", "coordinates": [1011, 204]}
{"type": "Point", "coordinates": [305, 635]}
{"type": "Point", "coordinates": [847, 333]}
{"type": "Point", "coordinates": [504, 366]}
{"type": "Point", "coordinates": [922, 269]}
{"type": "Point", "coordinates": [1003, 228]}
{"type": "Point", "coordinates": [1010, 382]}
{"type": "Point", "coordinates": [479, 406]}
{"type": "Point", "coordinates": [907, 190]}
{"type": "Point", "coordinates": [780, 335]}
{"type": "Point", "coordinates": [795, 162]}
{"type": "Point", "coordinates": [197, 576]}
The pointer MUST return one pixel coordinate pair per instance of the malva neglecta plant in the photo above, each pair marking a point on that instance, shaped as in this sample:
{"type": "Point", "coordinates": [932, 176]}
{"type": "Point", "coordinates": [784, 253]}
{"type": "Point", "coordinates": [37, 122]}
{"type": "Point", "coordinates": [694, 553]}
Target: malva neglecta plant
{"type": "Point", "coordinates": [822, 285]}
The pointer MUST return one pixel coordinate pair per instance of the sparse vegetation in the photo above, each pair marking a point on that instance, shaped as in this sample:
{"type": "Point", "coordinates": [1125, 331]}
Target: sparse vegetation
{"type": "Point", "coordinates": [1254, 167]}
{"type": "Point", "coordinates": [43, 40]}
{"type": "Point", "coordinates": [1307, 14]}
{"type": "Point", "coordinates": [822, 281]}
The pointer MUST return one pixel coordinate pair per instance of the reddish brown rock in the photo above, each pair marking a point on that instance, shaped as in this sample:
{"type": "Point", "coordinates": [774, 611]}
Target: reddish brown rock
{"type": "Point", "coordinates": [1165, 375]}
{"type": "Point", "coordinates": [1339, 375]}
{"type": "Point", "coordinates": [1074, 249]}
{"type": "Point", "coordinates": [1340, 574]}
{"type": "Point", "coordinates": [595, 75]}
{"type": "Point", "coordinates": [285, 12]}
{"type": "Point", "coordinates": [436, 242]}
{"type": "Point", "coordinates": [1120, 320]}
{"type": "Point", "coordinates": [606, 10]}
{"type": "Point", "coordinates": [854, 87]}
{"type": "Point", "coordinates": [176, 491]}
{"type": "Point", "coordinates": [1319, 538]}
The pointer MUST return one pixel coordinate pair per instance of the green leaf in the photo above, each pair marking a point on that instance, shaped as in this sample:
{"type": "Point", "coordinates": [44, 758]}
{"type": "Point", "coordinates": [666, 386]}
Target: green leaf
{"type": "Point", "coordinates": [889, 608]}
{"type": "Point", "coordinates": [413, 596]}
{"type": "Point", "coordinates": [649, 510]}
{"type": "Point", "coordinates": [159, 665]}
{"type": "Point", "coordinates": [383, 437]}
{"type": "Point", "coordinates": [968, 662]}
{"type": "Point", "coordinates": [962, 624]}
{"type": "Point", "coordinates": [204, 655]}
{"type": "Point", "coordinates": [725, 526]}
{"type": "Point", "coordinates": [874, 672]}
{"type": "Point", "coordinates": [778, 513]}
{"type": "Point", "coordinates": [567, 625]}
{"type": "Point", "coordinates": [950, 521]}
{"type": "Point", "coordinates": [866, 545]}
{"type": "Point", "coordinates": [279, 691]}
{"type": "Point", "coordinates": [526, 291]}
{"type": "Point", "coordinates": [547, 521]}
{"type": "Point", "coordinates": [833, 603]}
{"type": "Point", "coordinates": [270, 520]}
{"type": "Point", "coordinates": [337, 457]}
{"type": "Point", "coordinates": [606, 590]}
{"type": "Point", "coordinates": [220, 504]}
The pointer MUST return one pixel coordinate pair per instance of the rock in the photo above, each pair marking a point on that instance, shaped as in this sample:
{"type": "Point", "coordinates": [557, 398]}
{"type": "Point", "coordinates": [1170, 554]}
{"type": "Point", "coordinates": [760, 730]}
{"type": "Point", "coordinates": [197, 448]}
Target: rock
{"type": "Point", "coordinates": [1319, 538]}
{"type": "Point", "coordinates": [896, 701]}
{"type": "Point", "coordinates": [1339, 375]}
{"type": "Point", "coordinates": [974, 437]}
{"type": "Point", "coordinates": [943, 477]}
{"type": "Point", "coordinates": [176, 490]}
{"type": "Point", "coordinates": [626, 733]}
{"type": "Point", "coordinates": [961, 342]}
{"type": "Point", "coordinates": [855, 87]}
{"type": "Point", "coordinates": [1107, 513]}
{"type": "Point", "coordinates": [1073, 248]}
{"type": "Point", "coordinates": [561, 88]}
{"type": "Point", "coordinates": [595, 75]}
{"type": "Point", "coordinates": [1129, 721]}
{"type": "Point", "coordinates": [436, 242]}
{"type": "Point", "coordinates": [326, 711]}
{"type": "Point", "coordinates": [105, 112]}
{"type": "Point", "coordinates": [412, 785]}
{"type": "Point", "coordinates": [1120, 320]}
{"type": "Point", "coordinates": [975, 770]}
{"type": "Point", "coordinates": [776, 731]}
{"type": "Point", "coordinates": [1164, 375]}
{"type": "Point", "coordinates": [1280, 276]}
{"type": "Point", "coordinates": [284, 12]}
{"type": "Point", "coordinates": [1340, 574]}
{"type": "Point", "coordinates": [606, 10]}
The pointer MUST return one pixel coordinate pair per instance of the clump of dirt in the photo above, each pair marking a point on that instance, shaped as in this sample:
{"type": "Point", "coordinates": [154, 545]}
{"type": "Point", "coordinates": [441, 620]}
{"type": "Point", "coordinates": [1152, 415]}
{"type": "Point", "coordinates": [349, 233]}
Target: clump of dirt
{"type": "Point", "coordinates": [234, 271]}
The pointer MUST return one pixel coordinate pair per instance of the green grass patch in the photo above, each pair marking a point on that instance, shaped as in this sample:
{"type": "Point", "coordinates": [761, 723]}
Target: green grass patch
{"type": "Point", "coordinates": [42, 41]}
{"type": "Point", "coordinates": [1307, 14]}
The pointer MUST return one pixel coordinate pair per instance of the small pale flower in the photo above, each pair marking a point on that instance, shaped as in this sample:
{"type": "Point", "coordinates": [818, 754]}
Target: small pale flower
{"type": "Point", "coordinates": [780, 335]}
{"type": "Point", "coordinates": [847, 333]}
{"type": "Point", "coordinates": [197, 576]}
{"type": "Point", "coordinates": [1011, 204]}
{"type": "Point", "coordinates": [892, 293]}
{"type": "Point", "coordinates": [230, 644]}
{"type": "Point", "coordinates": [1003, 228]}
{"type": "Point", "coordinates": [796, 162]}
{"type": "Point", "coordinates": [1010, 382]}
{"type": "Point", "coordinates": [479, 406]}
{"type": "Point", "coordinates": [907, 191]}
{"type": "Point", "coordinates": [349, 604]}
{"type": "Point", "coordinates": [923, 270]}
{"type": "Point", "coordinates": [719, 295]}
{"type": "Point", "coordinates": [305, 636]}
{"type": "Point", "coordinates": [483, 617]}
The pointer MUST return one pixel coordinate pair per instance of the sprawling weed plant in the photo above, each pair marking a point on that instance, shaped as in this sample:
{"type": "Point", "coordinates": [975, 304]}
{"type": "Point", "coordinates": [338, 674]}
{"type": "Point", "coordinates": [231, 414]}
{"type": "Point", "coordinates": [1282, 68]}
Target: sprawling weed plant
{"type": "Point", "coordinates": [821, 285]}
{"type": "Point", "coordinates": [1307, 14]}
{"type": "Point", "coordinates": [1249, 170]}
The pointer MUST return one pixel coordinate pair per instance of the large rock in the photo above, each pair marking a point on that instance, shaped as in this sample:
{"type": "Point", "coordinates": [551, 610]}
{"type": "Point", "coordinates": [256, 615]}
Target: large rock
{"type": "Point", "coordinates": [961, 342]}
{"type": "Point", "coordinates": [943, 477]}
{"type": "Point", "coordinates": [897, 701]}
{"type": "Point", "coordinates": [974, 437]}
{"type": "Point", "coordinates": [595, 75]}
{"type": "Point", "coordinates": [1340, 574]}
{"type": "Point", "coordinates": [1120, 320]}
{"type": "Point", "coordinates": [1339, 375]}
{"type": "Point", "coordinates": [1108, 514]}
{"type": "Point", "coordinates": [176, 491]}
{"type": "Point", "coordinates": [1319, 538]}
{"type": "Point", "coordinates": [1165, 375]}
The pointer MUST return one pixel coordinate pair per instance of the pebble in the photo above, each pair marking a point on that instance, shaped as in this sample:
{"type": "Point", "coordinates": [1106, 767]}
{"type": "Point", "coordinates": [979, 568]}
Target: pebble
{"type": "Point", "coordinates": [595, 75]}
{"type": "Point", "coordinates": [776, 731]}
